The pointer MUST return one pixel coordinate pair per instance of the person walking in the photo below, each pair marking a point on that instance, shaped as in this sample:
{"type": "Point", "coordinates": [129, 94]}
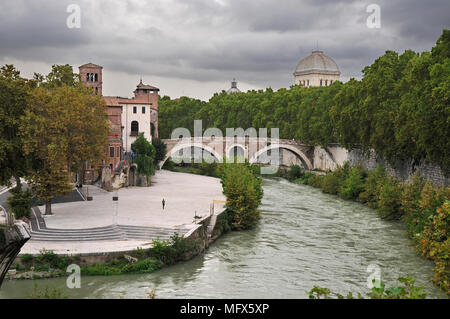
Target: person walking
{"type": "Point", "coordinates": [163, 203]}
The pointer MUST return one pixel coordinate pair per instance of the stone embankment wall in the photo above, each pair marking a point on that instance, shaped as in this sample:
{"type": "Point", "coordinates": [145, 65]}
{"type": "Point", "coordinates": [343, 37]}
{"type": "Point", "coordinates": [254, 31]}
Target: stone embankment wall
{"type": "Point", "coordinates": [327, 159]}
{"type": "Point", "coordinates": [401, 170]}
{"type": "Point", "coordinates": [206, 231]}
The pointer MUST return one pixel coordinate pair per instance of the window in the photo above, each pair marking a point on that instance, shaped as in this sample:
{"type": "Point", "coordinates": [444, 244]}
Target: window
{"type": "Point", "coordinates": [87, 77]}
{"type": "Point", "coordinates": [134, 109]}
{"type": "Point", "coordinates": [134, 128]}
{"type": "Point", "coordinates": [320, 82]}
{"type": "Point", "coordinates": [326, 82]}
{"type": "Point", "coordinates": [143, 110]}
{"type": "Point", "coordinates": [96, 77]}
{"type": "Point", "coordinates": [111, 152]}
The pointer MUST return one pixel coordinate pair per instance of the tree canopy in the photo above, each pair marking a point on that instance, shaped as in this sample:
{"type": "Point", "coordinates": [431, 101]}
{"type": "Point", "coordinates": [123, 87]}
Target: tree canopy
{"type": "Point", "coordinates": [400, 108]}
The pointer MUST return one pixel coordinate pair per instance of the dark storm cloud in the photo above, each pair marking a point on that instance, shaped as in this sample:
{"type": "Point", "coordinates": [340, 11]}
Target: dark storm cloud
{"type": "Point", "coordinates": [258, 41]}
{"type": "Point", "coordinates": [25, 25]}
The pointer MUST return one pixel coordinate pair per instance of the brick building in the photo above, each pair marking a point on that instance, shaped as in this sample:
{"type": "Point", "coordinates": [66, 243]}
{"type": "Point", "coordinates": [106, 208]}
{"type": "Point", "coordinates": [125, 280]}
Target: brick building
{"type": "Point", "coordinates": [128, 116]}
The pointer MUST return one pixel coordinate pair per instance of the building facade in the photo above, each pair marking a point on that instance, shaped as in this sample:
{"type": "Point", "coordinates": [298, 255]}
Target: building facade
{"type": "Point", "coordinates": [128, 117]}
{"type": "Point", "coordinates": [91, 76]}
{"type": "Point", "coordinates": [316, 69]}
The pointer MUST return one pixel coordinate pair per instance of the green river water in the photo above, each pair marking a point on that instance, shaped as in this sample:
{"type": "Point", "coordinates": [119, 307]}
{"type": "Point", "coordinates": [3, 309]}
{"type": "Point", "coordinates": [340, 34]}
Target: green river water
{"type": "Point", "coordinates": [304, 238]}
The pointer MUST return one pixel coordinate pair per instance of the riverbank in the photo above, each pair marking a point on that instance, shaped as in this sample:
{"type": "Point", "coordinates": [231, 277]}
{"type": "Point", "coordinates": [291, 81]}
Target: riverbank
{"type": "Point", "coordinates": [184, 228]}
{"type": "Point", "coordinates": [304, 238]}
{"type": "Point", "coordinates": [132, 221]}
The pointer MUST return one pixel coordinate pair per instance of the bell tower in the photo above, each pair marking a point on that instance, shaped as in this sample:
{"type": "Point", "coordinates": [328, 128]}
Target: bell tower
{"type": "Point", "coordinates": [91, 76]}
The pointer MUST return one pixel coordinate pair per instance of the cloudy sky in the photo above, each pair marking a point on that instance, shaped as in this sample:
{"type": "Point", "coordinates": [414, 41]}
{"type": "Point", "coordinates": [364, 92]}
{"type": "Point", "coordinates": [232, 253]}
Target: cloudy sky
{"type": "Point", "coordinates": [195, 47]}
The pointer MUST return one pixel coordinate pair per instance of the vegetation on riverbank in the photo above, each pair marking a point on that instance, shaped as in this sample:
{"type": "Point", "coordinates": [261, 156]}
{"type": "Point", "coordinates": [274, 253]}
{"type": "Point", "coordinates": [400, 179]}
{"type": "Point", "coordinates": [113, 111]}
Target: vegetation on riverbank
{"type": "Point", "coordinates": [241, 185]}
{"type": "Point", "coordinates": [425, 209]}
{"type": "Point", "coordinates": [162, 253]}
{"type": "Point", "coordinates": [407, 291]}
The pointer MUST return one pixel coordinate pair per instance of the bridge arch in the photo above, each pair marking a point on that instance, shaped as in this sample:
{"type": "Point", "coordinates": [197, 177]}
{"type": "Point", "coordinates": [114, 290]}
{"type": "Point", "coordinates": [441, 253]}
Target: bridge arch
{"type": "Point", "coordinates": [236, 146]}
{"type": "Point", "coordinates": [293, 149]}
{"type": "Point", "coordinates": [182, 145]}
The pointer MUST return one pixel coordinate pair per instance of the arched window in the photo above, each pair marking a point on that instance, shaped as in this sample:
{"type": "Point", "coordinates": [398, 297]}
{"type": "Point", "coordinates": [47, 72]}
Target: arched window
{"type": "Point", "coordinates": [134, 128]}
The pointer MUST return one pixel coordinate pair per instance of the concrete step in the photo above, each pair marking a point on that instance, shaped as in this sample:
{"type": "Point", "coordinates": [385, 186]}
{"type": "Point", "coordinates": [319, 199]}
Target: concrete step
{"type": "Point", "coordinates": [105, 233]}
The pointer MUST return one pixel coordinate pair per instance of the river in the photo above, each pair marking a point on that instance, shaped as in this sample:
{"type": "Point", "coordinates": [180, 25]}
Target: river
{"type": "Point", "coordinates": [304, 238]}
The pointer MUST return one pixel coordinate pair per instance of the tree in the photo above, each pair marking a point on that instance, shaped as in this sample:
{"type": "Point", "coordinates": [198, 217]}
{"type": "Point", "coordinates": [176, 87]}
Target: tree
{"type": "Point", "coordinates": [63, 127]}
{"type": "Point", "coordinates": [243, 192]}
{"type": "Point", "coordinates": [160, 148]}
{"type": "Point", "coordinates": [14, 95]}
{"type": "Point", "coordinates": [145, 157]}
{"type": "Point", "coordinates": [59, 75]}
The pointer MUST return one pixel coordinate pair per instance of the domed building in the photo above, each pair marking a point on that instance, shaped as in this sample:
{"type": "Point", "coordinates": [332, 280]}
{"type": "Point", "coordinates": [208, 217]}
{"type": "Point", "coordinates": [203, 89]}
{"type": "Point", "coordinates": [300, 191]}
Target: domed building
{"type": "Point", "coordinates": [316, 70]}
{"type": "Point", "coordinates": [234, 88]}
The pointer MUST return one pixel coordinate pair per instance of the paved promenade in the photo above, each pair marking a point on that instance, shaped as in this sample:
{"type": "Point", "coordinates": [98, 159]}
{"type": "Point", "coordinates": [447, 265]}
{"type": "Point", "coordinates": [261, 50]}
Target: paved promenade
{"type": "Point", "coordinates": [103, 225]}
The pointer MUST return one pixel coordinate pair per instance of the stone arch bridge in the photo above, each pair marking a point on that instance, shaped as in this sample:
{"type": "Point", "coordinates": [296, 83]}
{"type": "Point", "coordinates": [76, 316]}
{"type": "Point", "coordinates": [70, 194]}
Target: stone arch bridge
{"type": "Point", "coordinates": [257, 151]}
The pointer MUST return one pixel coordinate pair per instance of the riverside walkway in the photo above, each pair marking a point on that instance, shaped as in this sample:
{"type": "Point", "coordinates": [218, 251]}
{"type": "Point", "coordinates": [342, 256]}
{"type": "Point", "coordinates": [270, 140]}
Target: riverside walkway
{"type": "Point", "coordinates": [137, 218]}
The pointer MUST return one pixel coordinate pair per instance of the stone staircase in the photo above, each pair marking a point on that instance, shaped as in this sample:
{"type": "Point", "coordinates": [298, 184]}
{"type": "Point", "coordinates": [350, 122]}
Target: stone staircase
{"type": "Point", "coordinates": [40, 232]}
{"type": "Point", "coordinates": [105, 233]}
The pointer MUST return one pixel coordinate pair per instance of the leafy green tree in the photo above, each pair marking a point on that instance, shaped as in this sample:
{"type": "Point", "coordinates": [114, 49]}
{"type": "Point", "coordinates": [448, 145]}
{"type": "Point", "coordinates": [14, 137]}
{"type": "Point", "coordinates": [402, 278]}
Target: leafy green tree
{"type": "Point", "coordinates": [160, 149]}
{"type": "Point", "coordinates": [20, 202]}
{"type": "Point", "coordinates": [145, 155]}
{"type": "Point", "coordinates": [353, 185]}
{"type": "Point", "coordinates": [62, 128]}
{"type": "Point", "coordinates": [14, 95]}
{"type": "Point", "coordinates": [243, 192]}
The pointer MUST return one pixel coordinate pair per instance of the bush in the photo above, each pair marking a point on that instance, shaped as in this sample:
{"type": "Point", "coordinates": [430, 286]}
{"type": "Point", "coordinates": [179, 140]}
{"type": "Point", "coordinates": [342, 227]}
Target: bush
{"type": "Point", "coordinates": [208, 169]}
{"type": "Point", "coordinates": [169, 165]}
{"type": "Point", "coordinates": [411, 194]}
{"type": "Point", "coordinates": [169, 252]}
{"type": "Point", "coordinates": [145, 157]}
{"type": "Point", "coordinates": [412, 213]}
{"type": "Point", "coordinates": [20, 202]}
{"type": "Point", "coordinates": [294, 172]}
{"type": "Point", "coordinates": [407, 291]}
{"type": "Point", "coordinates": [243, 191]}
{"type": "Point", "coordinates": [330, 184]}
{"type": "Point", "coordinates": [160, 149]}
{"type": "Point", "coordinates": [372, 186]}
{"type": "Point", "coordinates": [389, 201]}
{"type": "Point", "coordinates": [143, 266]}
{"type": "Point", "coordinates": [434, 243]}
{"type": "Point", "coordinates": [353, 185]}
